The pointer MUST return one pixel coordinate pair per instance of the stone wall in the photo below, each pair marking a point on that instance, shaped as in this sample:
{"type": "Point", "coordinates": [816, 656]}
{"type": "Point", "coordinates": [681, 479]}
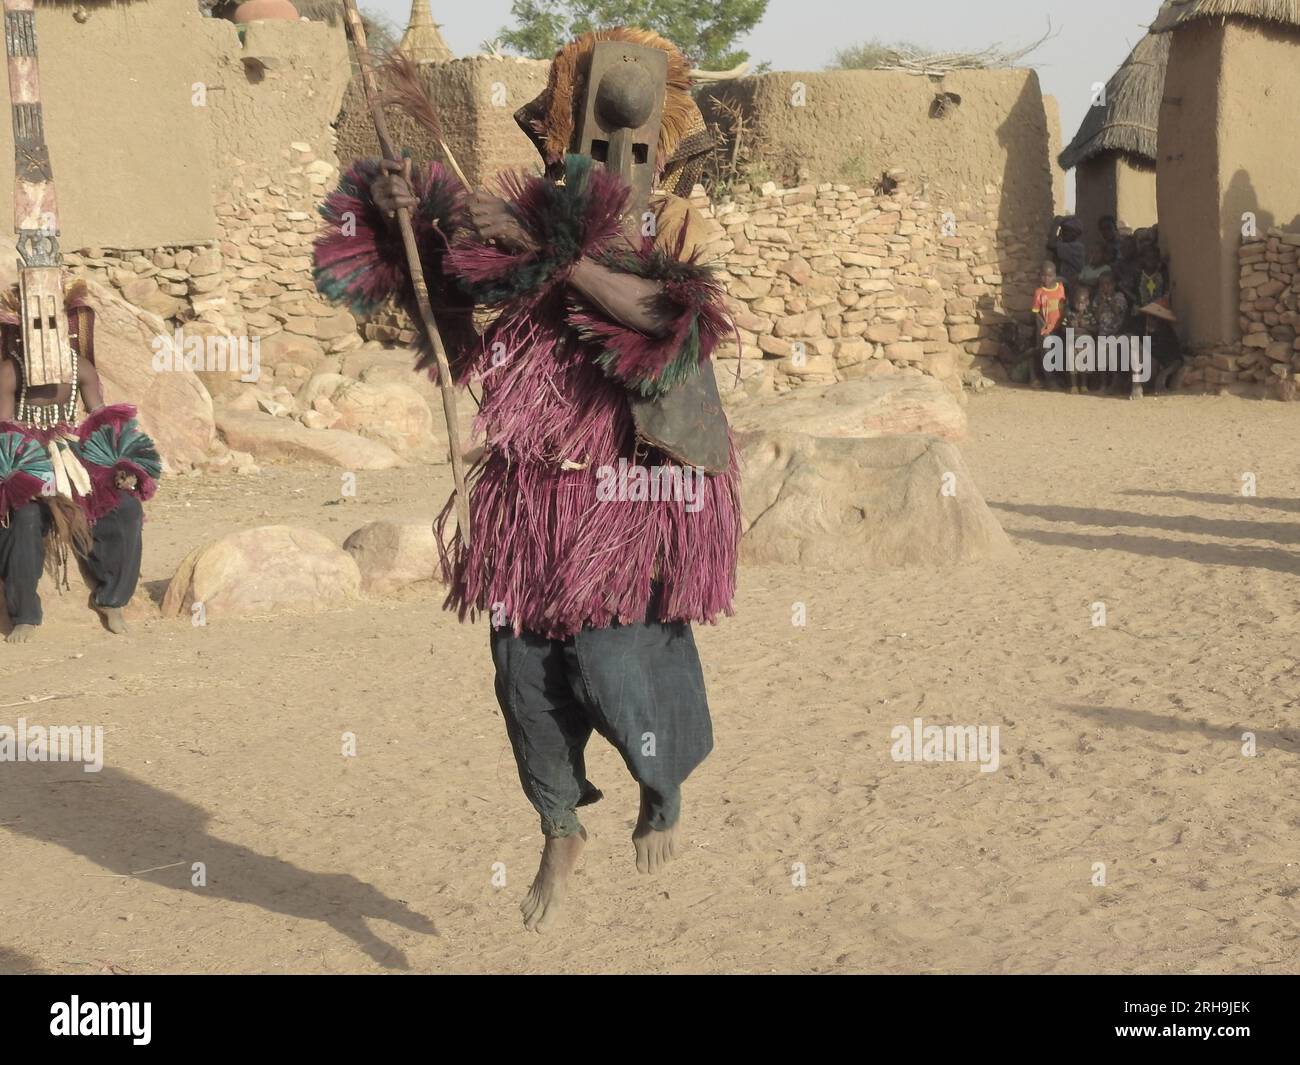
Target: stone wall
{"type": "Point", "coordinates": [832, 282]}
{"type": "Point", "coordinates": [1269, 292]}
{"type": "Point", "coordinates": [255, 281]}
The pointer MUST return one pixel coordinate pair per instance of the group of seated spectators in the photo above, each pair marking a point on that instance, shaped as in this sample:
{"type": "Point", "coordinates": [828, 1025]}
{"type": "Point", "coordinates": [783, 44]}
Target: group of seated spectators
{"type": "Point", "coordinates": [1116, 286]}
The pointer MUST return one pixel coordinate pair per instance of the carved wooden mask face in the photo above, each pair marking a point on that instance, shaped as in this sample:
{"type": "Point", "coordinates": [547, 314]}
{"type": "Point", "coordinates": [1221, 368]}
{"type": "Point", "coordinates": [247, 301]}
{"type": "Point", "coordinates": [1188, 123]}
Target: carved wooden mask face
{"type": "Point", "coordinates": [619, 122]}
{"type": "Point", "coordinates": [47, 351]}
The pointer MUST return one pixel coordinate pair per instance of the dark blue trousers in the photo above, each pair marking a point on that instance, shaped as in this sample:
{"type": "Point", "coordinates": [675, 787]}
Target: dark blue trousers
{"type": "Point", "coordinates": [113, 562]}
{"type": "Point", "coordinates": [640, 686]}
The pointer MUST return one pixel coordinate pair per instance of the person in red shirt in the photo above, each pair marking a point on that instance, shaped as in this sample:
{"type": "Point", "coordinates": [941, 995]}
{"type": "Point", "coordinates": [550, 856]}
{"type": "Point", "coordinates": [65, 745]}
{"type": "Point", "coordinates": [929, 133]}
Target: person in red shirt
{"type": "Point", "coordinates": [1049, 305]}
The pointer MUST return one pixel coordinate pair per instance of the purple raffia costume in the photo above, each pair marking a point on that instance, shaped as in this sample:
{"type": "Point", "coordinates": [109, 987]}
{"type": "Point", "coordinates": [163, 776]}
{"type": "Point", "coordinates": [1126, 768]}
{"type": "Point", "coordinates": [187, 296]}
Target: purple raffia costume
{"type": "Point", "coordinates": [591, 549]}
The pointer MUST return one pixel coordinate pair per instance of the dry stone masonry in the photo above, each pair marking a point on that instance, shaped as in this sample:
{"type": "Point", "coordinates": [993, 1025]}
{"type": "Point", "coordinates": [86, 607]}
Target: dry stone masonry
{"type": "Point", "coordinates": [832, 283]}
{"type": "Point", "coordinates": [1269, 353]}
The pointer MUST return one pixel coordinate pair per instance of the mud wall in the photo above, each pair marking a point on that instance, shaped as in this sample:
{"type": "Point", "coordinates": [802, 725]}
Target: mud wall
{"type": "Point", "coordinates": [476, 97]}
{"type": "Point", "coordinates": [1112, 183]}
{"type": "Point", "coordinates": [851, 126]}
{"type": "Point", "coordinates": [1055, 144]}
{"type": "Point", "coordinates": [1226, 171]}
{"type": "Point", "coordinates": [130, 150]}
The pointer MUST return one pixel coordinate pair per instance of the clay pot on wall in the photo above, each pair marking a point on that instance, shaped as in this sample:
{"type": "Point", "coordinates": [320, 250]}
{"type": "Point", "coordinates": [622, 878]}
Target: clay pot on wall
{"type": "Point", "coordinates": [254, 10]}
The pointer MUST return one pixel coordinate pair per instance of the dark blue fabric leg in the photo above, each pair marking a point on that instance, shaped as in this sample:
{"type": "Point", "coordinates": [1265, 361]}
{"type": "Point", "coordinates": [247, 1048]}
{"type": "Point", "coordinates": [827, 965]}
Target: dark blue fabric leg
{"type": "Point", "coordinates": [22, 557]}
{"type": "Point", "coordinates": [643, 690]}
{"type": "Point", "coordinates": [114, 558]}
{"type": "Point", "coordinates": [547, 728]}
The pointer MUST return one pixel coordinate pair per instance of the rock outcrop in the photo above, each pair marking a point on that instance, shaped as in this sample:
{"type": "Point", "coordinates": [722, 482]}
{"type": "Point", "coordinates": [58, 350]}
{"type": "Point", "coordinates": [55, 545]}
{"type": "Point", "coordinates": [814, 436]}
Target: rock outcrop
{"type": "Point", "coordinates": [845, 503]}
{"type": "Point", "coordinates": [282, 439]}
{"type": "Point", "coordinates": [888, 405]}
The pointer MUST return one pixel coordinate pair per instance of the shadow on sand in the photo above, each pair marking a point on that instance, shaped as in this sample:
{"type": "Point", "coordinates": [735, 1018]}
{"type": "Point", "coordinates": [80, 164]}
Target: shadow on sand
{"type": "Point", "coordinates": [1290, 506]}
{"type": "Point", "coordinates": [1281, 532]}
{"type": "Point", "coordinates": [1124, 717]}
{"type": "Point", "coordinates": [12, 963]}
{"type": "Point", "coordinates": [127, 826]}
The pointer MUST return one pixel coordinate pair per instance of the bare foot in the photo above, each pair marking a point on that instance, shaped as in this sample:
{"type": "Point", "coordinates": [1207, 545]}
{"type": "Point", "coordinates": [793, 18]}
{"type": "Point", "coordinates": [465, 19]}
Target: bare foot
{"type": "Point", "coordinates": [21, 634]}
{"type": "Point", "coordinates": [654, 849]}
{"type": "Point", "coordinates": [544, 898]}
{"type": "Point", "coordinates": [113, 620]}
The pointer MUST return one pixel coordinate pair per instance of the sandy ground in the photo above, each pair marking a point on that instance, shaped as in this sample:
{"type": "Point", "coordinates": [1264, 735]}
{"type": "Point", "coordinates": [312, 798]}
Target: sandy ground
{"type": "Point", "coordinates": [1120, 745]}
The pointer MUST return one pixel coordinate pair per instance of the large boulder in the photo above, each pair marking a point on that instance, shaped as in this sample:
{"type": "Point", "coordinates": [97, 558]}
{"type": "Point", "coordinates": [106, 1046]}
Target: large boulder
{"type": "Point", "coordinates": [844, 503]}
{"type": "Point", "coordinates": [175, 408]}
{"type": "Point", "coordinates": [271, 439]}
{"type": "Point", "coordinates": [265, 570]}
{"type": "Point", "coordinates": [392, 555]}
{"type": "Point", "coordinates": [887, 405]}
{"type": "Point", "coordinates": [377, 365]}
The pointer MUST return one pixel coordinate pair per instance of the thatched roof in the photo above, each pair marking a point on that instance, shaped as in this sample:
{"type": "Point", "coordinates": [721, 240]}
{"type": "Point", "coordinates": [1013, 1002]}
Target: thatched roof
{"type": "Point", "coordinates": [1177, 13]}
{"type": "Point", "coordinates": [1127, 122]}
{"type": "Point", "coordinates": [422, 41]}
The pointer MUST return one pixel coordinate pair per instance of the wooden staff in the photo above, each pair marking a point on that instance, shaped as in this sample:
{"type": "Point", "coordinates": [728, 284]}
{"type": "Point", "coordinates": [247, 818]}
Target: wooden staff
{"type": "Point", "coordinates": [370, 87]}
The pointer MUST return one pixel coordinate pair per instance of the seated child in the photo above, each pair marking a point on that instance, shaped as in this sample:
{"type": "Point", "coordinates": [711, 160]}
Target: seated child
{"type": "Point", "coordinates": [1166, 350]}
{"type": "Point", "coordinates": [1081, 319]}
{"type": "Point", "coordinates": [1111, 309]}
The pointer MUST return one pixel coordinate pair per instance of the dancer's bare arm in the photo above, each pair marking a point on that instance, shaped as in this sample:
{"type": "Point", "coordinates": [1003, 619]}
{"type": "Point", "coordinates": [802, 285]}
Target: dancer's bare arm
{"type": "Point", "coordinates": [8, 390]}
{"type": "Point", "coordinates": [92, 392]}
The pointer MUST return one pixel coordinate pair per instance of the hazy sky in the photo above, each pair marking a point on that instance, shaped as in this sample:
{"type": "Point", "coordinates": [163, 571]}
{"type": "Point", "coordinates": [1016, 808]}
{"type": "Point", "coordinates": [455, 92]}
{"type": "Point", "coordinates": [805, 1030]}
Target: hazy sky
{"type": "Point", "coordinates": [1092, 36]}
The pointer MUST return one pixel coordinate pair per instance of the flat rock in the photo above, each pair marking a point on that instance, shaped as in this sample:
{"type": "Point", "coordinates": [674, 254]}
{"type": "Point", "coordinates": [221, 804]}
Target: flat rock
{"type": "Point", "coordinates": [265, 570]}
{"type": "Point", "coordinates": [270, 439]}
{"type": "Point", "coordinates": [845, 503]}
{"type": "Point", "coordinates": [392, 555]}
{"type": "Point", "coordinates": [888, 405]}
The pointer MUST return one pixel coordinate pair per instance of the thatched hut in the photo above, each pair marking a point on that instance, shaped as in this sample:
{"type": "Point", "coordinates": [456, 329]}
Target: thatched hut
{"type": "Point", "coordinates": [1114, 152]}
{"type": "Point", "coordinates": [1228, 162]}
{"type": "Point", "coordinates": [422, 41]}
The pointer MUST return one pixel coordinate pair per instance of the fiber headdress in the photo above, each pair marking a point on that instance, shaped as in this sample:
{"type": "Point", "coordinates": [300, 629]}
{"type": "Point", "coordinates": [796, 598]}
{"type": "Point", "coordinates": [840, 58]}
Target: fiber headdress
{"type": "Point", "coordinates": [684, 140]}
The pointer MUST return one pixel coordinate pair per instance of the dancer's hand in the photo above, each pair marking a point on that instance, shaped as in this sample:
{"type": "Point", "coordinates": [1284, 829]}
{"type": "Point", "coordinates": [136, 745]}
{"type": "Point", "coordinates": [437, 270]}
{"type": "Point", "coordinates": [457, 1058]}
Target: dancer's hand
{"type": "Point", "coordinates": [393, 190]}
{"type": "Point", "coordinates": [493, 223]}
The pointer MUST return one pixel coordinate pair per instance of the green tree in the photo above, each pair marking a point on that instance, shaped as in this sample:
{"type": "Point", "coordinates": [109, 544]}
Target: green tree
{"type": "Point", "coordinates": [706, 30]}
